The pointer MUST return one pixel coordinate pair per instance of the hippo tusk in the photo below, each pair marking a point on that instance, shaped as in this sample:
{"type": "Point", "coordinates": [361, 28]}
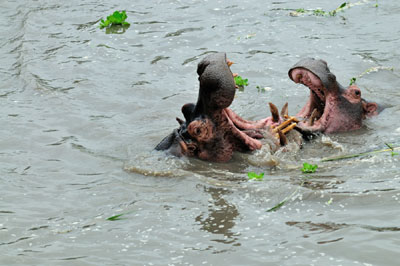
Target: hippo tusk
{"type": "Point", "coordinates": [274, 112]}
{"type": "Point", "coordinates": [313, 116]}
{"type": "Point", "coordinates": [285, 110]}
{"type": "Point", "coordinates": [282, 138]}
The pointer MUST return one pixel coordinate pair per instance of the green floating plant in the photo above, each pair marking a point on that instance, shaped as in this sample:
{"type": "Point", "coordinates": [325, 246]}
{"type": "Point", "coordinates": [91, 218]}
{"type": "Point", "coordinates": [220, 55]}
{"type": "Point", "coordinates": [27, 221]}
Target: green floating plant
{"type": "Point", "coordinates": [321, 12]}
{"type": "Point", "coordinates": [253, 175]}
{"type": "Point", "coordinates": [117, 216]}
{"type": "Point", "coordinates": [240, 82]}
{"type": "Point", "coordinates": [309, 168]}
{"type": "Point", "coordinates": [349, 156]}
{"type": "Point", "coordinates": [117, 18]}
{"type": "Point", "coordinates": [390, 146]}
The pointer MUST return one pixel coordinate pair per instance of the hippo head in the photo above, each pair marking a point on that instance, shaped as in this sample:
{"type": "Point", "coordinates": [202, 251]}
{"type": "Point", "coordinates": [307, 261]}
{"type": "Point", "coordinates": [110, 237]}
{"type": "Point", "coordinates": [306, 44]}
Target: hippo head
{"type": "Point", "coordinates": [211, 131]}
{"type": "Point", "coordinates": [202, 133]}
{"type": "Point", "coordinates": [330, 107]}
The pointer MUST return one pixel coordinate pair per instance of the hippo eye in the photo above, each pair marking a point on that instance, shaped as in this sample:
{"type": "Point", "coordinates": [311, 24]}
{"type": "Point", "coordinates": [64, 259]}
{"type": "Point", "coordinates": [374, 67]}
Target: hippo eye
{"type": "Point", "coordinates": [197, 131]}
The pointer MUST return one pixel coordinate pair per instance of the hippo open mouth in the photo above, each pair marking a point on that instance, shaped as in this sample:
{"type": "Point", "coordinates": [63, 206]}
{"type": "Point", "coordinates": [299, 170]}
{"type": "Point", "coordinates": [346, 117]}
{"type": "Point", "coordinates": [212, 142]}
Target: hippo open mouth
{"type": "Point", "coordinates": [330, 107]}
{"type": "Point", "coordinates": [212, 131]}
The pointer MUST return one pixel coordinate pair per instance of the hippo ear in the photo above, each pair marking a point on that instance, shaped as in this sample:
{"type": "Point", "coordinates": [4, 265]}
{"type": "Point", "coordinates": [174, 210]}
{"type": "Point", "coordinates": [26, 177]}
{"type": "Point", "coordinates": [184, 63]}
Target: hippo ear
{"type": "Point", "coordinates": [370, 108]}
{"type": "Point", "coordinates": [187, 110]}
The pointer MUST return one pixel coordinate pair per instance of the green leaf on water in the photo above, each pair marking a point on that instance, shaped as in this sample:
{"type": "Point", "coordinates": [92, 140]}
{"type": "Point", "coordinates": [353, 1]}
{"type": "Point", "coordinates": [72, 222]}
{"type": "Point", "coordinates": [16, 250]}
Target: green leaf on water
{"type": "Point", "coordinates": [352, 80]}
{"type": "Point", "coordinates": [309, 168]}
{"type": "Point", "coordinates": [116, 217]}
{"type": "Point", "coordinates": [253, 175]}
{"type": "Point", "coordinates": [117, 18]}
{"type": "Point", "coordinates": [329, 202]}
{"type": "Point", "coordinates": [277, 207]}
{"type": "Point", "coordinates": [240, 82]}
{"type": "Point", "coordinates": [319, 12]}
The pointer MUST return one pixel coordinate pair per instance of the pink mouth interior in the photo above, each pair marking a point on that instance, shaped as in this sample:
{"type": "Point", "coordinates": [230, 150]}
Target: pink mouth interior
{"type": "Point", "coordinates": [318, 93]}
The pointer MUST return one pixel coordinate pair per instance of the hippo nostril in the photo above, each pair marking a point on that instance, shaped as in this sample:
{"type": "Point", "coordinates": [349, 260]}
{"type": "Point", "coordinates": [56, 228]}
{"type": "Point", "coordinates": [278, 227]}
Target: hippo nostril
{"type": "Point", "coordinates": [357, 92]}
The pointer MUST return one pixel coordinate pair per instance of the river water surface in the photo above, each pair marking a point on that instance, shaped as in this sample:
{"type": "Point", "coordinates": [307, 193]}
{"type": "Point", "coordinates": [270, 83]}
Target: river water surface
{"type": "Point", "coordinates": [82, 109]}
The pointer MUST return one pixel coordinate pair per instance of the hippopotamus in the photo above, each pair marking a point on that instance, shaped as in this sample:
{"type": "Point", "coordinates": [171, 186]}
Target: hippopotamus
{"type": "Point", "coordinates": [212, 131]}
{"type": "Point", "coordinates": [330, 108]}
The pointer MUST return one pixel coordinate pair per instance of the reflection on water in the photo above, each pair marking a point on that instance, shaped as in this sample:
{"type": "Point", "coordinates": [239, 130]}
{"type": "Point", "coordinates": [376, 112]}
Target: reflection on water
{"type": "Point", "coordinates": [117, 29]}
{"type": "Point", "coordinates": [221, 217]}
{"type": "Point", "coordinates": [310, 228]}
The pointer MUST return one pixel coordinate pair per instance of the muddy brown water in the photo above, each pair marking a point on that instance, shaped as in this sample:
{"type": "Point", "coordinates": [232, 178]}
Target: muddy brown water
{"type": "Point", "coordinates": [81, 111]}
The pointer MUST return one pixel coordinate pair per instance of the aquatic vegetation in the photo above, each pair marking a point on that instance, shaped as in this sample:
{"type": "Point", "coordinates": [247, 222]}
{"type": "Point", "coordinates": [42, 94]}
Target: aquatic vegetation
{"type": "Point", "coordinates": [309, 168]}
{"type": "Point", "coordinates": [240, 82]}
{"type": "Point", "coordinates": [117, 217]}
{"type": "Point", "coordinates": [253, 175]}
{"type": "Point", "coordinates": [329, 202]}
{"type": "Point", "coordinates": [117, 18]}
{"type": "Point", "coordinates": [320, 12]}
{"type": "Point", "coordinates": [285, 200]}
{"type": "Point", "coordinates": [392, 149]}
{"type": "Point", "coordinates": [370, 70]}
{"type": "Point", "coordinates": [348, 156]}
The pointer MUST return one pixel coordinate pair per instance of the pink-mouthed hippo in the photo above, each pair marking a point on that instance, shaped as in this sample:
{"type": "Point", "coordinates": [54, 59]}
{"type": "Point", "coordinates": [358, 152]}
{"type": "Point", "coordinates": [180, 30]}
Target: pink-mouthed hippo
{"type": "Point", "coordinates": [212, 131]}
{"type": "Point", "coordinates": [331, 107]}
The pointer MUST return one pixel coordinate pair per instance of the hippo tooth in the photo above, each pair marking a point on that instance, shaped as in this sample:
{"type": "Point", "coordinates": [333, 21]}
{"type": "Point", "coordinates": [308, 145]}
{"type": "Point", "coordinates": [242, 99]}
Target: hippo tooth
{"type": "Point", "coordinates": [282, 138]}
{"type": "Point", "coordinates": [284, 111]}
{"type": "Point", "coordinates": [313, 116]}
{"type": "Point", "coordinates": [274, 112]}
